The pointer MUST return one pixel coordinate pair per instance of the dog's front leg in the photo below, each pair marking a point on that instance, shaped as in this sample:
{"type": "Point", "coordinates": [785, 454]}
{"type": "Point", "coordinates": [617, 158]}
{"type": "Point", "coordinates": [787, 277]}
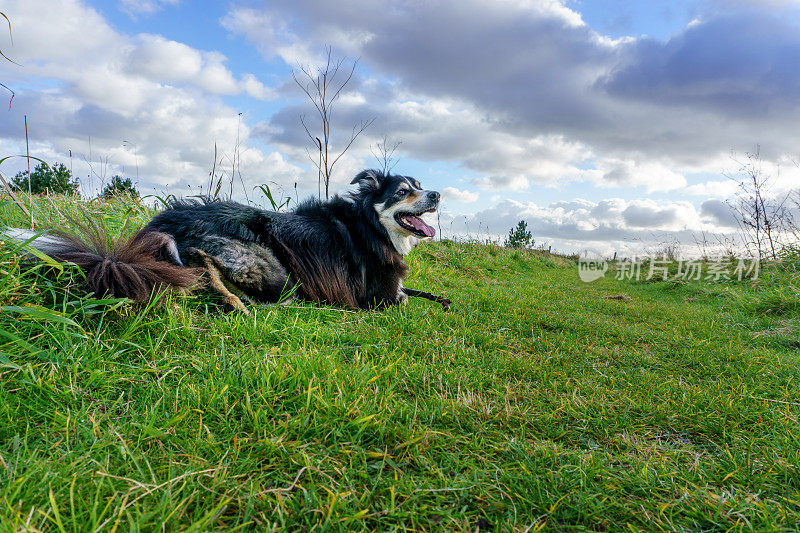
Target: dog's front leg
{"type": "Point", "coordinates": [401, 297]}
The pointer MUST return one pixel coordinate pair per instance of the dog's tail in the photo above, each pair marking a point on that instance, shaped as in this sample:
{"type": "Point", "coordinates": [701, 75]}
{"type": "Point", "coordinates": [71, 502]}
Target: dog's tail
{"type": "Point", "coordinates": [137, 268]}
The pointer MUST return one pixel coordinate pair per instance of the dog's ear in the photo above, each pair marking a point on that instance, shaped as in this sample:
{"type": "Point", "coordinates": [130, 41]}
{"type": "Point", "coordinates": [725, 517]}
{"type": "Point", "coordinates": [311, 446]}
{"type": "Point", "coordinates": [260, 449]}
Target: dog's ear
{"type": "Point", "coordinates": [368, 179]}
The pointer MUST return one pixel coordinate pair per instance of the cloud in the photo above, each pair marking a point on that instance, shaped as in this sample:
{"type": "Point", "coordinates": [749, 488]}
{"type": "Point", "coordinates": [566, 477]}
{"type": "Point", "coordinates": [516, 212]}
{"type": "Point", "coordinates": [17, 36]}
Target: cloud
{"type": "Point", "coordinates": [614, 219]}
{"type": "Point", "coordinates": [544, 94]}
{"type": "Point", "coordinates": [161, 60]}
{"type": "Point", "coordinates": [606, 226]}
{"type": "Point", "coordinates": [718, 188]}
{"type": "Point", "coordinates": [758, 4]}
{"type": "Point", "coordinates": [452, 193]}
{"type": "Point", "coordinates": [720, 213]}
{"type": "Point", "coordinates": [141, 104]}
{"type": "Point", "coordinates": [254, 88]}
{"type": "Point", "coordinates": [652, 175]}
{"type": "Point", "coordinates": [135, 8]}
{"type": "Point", "coordinates": [648, 214]}
{"type": "Point", "coordinates": [737, 65]}
{"type": "Point", "coordinates": [435, 56]}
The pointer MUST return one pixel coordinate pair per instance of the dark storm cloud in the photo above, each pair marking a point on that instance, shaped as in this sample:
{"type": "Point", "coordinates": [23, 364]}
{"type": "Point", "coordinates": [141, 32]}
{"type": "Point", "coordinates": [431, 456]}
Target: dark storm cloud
{"type": "Point", "coordinates": [740, 65]}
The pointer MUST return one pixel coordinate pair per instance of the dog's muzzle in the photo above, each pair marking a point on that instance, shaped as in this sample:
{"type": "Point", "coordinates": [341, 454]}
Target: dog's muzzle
{"type": "Point", "coordinates": [412, 221]}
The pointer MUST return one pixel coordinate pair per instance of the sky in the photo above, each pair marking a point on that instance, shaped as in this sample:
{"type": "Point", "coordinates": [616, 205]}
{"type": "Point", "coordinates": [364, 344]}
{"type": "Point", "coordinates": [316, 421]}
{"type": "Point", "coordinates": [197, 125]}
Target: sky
{"type": "Point", "coordinates": [608, 125]}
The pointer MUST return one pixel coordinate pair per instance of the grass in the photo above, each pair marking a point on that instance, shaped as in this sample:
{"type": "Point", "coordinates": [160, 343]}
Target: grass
{"type": "Point", "coordinates": [537, 403]}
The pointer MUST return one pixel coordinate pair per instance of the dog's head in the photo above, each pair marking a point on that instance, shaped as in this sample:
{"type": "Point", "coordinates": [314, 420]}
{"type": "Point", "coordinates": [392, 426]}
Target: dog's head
{"type": "Point", "coordinates": [400, 202]}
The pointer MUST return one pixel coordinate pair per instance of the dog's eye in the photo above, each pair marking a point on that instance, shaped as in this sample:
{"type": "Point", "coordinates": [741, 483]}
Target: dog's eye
{"type": "Point", "coordinates": [402, 192]}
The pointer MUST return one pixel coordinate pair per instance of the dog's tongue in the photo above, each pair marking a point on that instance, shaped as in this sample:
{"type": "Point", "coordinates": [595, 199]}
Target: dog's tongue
{"type": "Point", "coordinates": [421, 226]}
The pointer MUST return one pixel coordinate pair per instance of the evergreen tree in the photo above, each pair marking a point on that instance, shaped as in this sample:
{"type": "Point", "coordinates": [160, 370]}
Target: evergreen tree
{"type": "Point", "coordinates": [520, 237]}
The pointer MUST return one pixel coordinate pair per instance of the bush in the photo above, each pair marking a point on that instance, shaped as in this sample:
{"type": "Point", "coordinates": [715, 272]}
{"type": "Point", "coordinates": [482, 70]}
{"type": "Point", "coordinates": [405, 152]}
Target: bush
{"type": "Point", "coordinates": [45, 179]}
{"type": "Point", "coordinates": [520, 237]}
{"type": "Point", "coordinates": [119, 186]}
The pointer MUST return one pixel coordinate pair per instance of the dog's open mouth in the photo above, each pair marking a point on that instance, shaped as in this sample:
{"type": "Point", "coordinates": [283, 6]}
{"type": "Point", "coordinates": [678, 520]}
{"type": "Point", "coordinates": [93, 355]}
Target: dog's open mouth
{"type": "Point", "coordinates": [413, 223]}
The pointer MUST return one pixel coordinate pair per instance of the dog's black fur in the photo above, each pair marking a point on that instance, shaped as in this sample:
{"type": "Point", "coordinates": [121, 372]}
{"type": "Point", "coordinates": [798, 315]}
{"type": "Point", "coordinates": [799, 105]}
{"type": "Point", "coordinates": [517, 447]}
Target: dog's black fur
{"type": "Point", "coordinates": [343, 251]}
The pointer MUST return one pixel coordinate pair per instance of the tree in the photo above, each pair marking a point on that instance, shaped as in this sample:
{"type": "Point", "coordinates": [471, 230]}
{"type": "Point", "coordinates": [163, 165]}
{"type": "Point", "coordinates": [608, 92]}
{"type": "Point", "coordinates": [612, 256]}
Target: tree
{"type": "Point", "coordinates": [520, 237]}
{"type": "Point", "coordinates": [46, 179]}
{"type": "Point", "coordinates": [119, 186]}
{"type": "Point", "coordinates": [323, 87]}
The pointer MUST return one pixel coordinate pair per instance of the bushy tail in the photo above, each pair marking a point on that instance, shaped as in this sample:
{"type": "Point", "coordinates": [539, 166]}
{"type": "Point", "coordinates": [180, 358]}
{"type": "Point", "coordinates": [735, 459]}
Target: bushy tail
{"type": "Point", "coordinates": [137, 268]}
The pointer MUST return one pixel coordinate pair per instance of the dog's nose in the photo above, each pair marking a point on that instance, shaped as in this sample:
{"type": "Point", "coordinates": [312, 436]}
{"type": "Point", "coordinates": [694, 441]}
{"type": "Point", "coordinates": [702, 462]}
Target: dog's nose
{"type": "Point", "coordinates": [433, 196]}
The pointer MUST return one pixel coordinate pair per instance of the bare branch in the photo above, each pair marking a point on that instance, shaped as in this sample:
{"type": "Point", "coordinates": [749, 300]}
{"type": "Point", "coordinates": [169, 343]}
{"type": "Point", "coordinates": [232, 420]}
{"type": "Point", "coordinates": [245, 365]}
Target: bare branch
{"type": "Point", "coordinates": [305, 127]}
{"type": "Point", "coordinates": [385, 154]}
{"type": "Point", "coordinates": [357, 130]}
{"type": "Point", "coordinates": [305, 88]}
{"type": "Point", "coordinates": [346, 81]}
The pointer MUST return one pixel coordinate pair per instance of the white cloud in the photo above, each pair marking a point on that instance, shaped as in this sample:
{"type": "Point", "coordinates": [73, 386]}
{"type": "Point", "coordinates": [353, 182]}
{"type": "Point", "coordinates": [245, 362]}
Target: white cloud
{"type": "Point", "coordinates": [716, 188]}
{"type": "Point", "coordinates": [612, 218]}
{"type": "Point", "coordinates": [142, 103]}
{"type": "Point", "coordinates": [434, 129]}
{"type": "Point", "coordinates": [58, 31]}
{"type": "Point", "coordinates": [465, 196]}
{"type": "Point", "coordinates": [255, 88]}
{"type": "Point", "coordinates": [160, 59]}
{"type": "Point", "coordinates": [164, 61]}
{"type": "Point", "coordinates": [613, 224]}
{"type": "Point", "coordinates": [271, 34]}
{"type": "Point", "coordinates": [652, 175]}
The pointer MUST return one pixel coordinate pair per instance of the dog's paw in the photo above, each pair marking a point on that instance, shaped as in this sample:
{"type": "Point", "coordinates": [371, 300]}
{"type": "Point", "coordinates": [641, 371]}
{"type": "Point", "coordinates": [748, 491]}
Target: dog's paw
{"type": "Point", "coordinates": [402, 297]}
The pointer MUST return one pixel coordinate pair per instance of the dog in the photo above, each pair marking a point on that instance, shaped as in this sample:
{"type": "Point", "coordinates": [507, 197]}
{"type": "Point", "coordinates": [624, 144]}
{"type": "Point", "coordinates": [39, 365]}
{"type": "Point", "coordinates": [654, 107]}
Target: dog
{"type": "Point", "coordinates": [347, 251]}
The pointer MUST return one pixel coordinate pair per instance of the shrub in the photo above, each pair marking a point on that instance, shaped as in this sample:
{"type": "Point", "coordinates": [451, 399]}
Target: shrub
{"type": "Point", "coordinates": [119, 186]}
{"type": "Point", "coordinates": [44, 179]}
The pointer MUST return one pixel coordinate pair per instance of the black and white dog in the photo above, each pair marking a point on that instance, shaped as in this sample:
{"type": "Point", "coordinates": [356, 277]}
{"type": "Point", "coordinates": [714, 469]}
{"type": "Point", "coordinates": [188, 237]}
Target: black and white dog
{"type": "Point", "coordinates": [347, 251]}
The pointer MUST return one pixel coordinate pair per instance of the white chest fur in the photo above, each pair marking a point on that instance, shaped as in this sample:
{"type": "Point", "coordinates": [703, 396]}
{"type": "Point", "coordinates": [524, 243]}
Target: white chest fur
{"type": "Point", "coordinates": [403, 243]}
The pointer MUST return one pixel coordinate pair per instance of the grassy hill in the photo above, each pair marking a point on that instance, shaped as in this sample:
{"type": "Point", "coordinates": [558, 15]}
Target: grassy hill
{"type": "Point", "coordinates": [537, 403]}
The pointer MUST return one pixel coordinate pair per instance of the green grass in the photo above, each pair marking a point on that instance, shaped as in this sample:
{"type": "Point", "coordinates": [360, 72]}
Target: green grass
{"type": "Point", "coordinates": [536, 403]}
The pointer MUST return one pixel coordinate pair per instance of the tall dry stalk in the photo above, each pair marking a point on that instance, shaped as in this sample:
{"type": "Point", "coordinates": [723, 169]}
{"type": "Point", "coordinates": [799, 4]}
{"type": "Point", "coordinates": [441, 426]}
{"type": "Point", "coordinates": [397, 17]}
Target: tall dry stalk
{"type": "Point", "coordinates": [323, 87]}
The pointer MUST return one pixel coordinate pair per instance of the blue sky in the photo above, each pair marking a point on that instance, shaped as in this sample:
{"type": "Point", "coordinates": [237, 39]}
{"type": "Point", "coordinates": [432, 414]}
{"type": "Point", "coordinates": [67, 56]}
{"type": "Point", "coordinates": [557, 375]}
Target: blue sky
{"type": "Point", "coordinates": [608, 125]}
{"type": "Point", "coordinates": [622, 18]}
